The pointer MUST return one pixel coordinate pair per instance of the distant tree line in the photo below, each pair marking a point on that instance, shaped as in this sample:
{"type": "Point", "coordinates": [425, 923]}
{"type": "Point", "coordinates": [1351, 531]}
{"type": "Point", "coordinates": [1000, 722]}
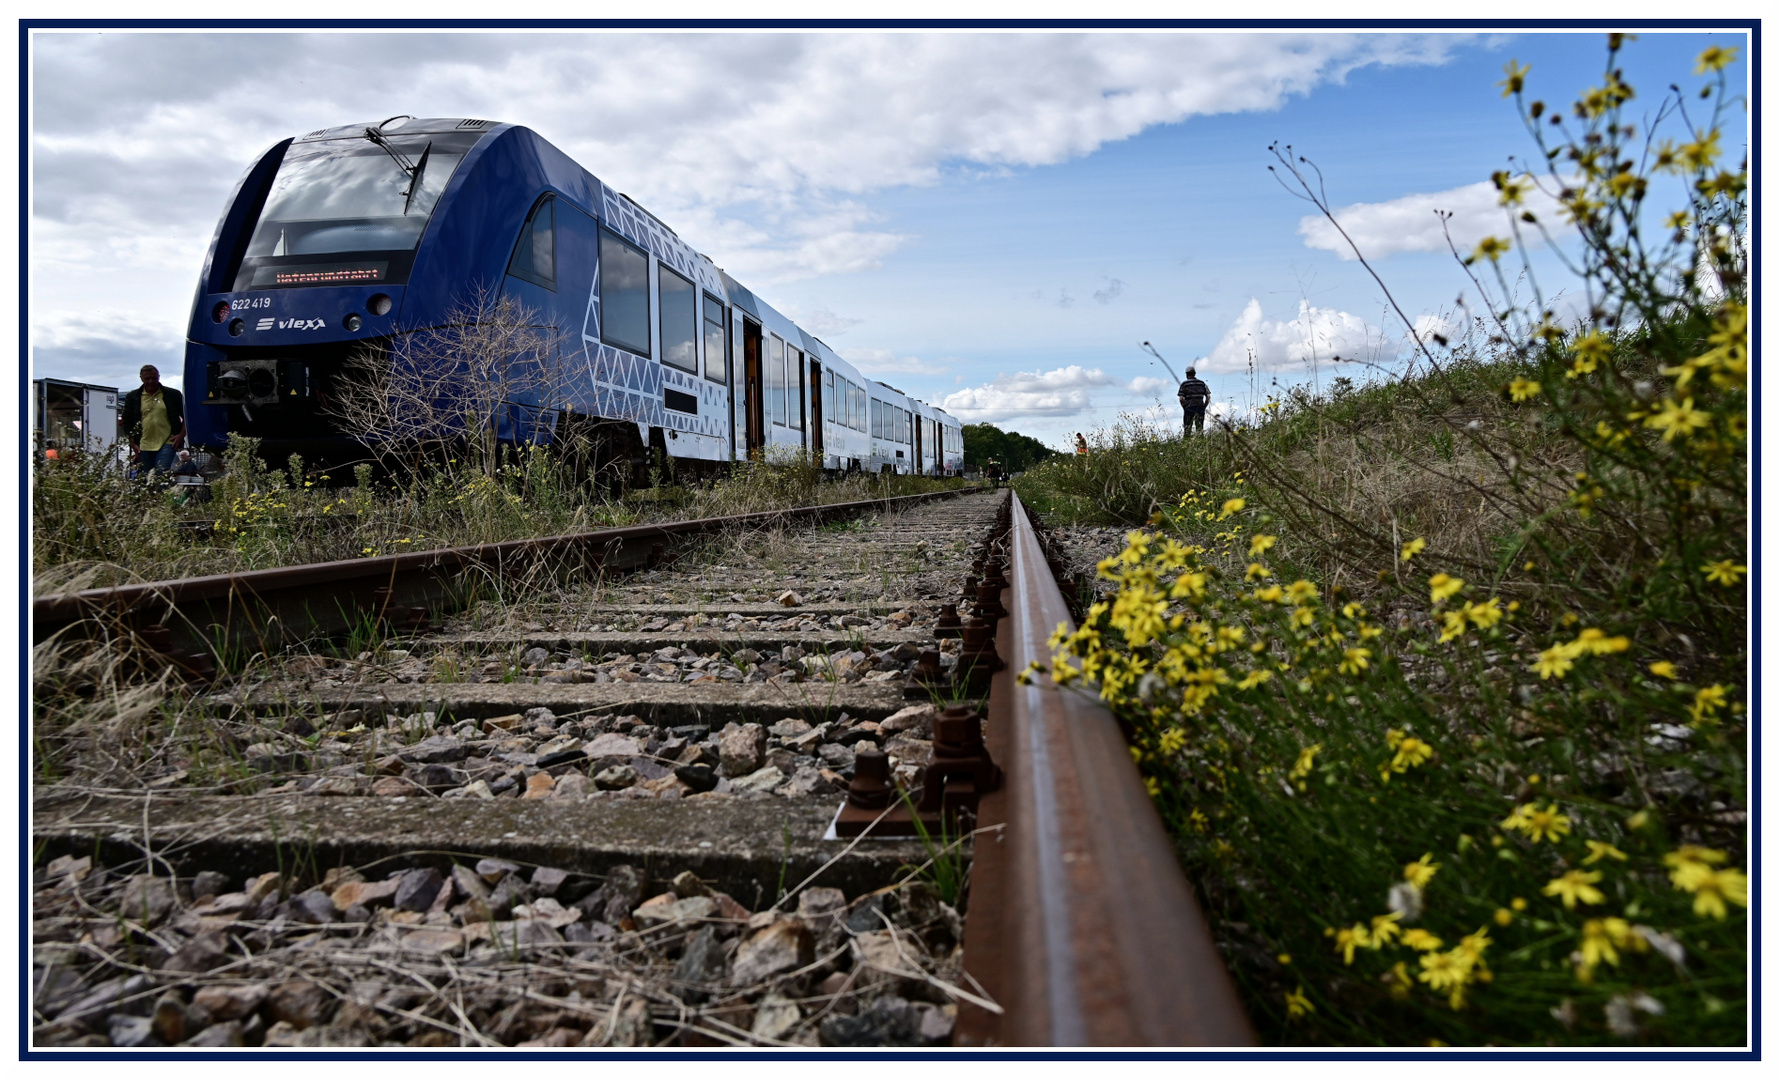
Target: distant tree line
{"type": "Point", "coordinates": [1015, 452]}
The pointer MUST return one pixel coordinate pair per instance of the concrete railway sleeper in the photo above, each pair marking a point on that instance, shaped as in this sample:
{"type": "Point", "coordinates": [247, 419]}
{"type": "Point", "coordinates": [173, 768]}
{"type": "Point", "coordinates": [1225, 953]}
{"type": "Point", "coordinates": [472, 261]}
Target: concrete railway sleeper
{"type": "Point", "coordinates": [590, 809]}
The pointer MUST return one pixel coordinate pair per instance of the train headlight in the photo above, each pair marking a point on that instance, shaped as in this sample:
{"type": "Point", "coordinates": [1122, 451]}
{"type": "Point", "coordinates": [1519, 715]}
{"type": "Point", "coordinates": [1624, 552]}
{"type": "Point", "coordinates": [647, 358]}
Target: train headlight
{"type": "Point", "coordinates": [237, 328]}
{"type": "Point", "coordinates": [380, 304]}
{"type": "Point", "coordinates": [352, 322]}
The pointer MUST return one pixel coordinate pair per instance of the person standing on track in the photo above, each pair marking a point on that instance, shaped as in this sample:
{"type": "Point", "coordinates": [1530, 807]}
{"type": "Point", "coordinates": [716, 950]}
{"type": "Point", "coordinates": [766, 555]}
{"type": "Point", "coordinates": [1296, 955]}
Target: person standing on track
{"type": "Point", "coordinates": [1194, 397]}
{"type": "Point", "coordinates": [154, 422]}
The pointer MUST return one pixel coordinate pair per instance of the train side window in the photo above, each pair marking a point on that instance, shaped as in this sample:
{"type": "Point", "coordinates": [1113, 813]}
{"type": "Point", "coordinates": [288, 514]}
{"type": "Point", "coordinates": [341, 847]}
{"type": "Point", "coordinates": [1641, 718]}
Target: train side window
{"type": "Point", "coordinates": [794, 370]}
{"type": "Point", "coordinates": [827, 396]}
{"type": "Point", "coordinates": [775, 380]}
{"type": "Point", "coordinates": [624, 294]}
{"type": "Point", "coordinates": [679, 321]}
{"type": "Point", "coordinates": [716, 341]}
{"type": "Point", "coordinates": [534, 256]}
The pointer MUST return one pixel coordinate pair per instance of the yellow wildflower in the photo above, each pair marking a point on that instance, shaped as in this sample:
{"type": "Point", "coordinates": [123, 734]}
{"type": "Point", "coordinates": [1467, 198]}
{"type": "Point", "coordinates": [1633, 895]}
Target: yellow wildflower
{"type": "Point", "coordinates": [1257, 571]}
{"type": "Point", "coordinates": [1663, 669]}
{"type": "Point", "coordinates": [1597, 850]}
{"type": "Point", "coordinates": [1172, 556]}
{"type": "Point", "coordinates": [1574, 886]}
{"type": "Point", "coordinates": [1486, 614]}
{"type": "Point", "coordinates": [1595, 641]}
{"type": "Point", "coordinates": [1524, 389]}
{"type": "Point", "coordinates": [1189, 584]}
{"type": "Point", "coordinates": [1301, 591]}
{"type": "Point", "coordinates": [1253, 679]}
{"type": "Point", "coordinates": [1476, 943]}
{"type": "Point", "coordinates": [1504, 916]}
{"type": "Point", "coordinates": [1382, 929]}
{"type": "Point", "coordinates": [1711, 888]}
{"type": "Point", "coordinates": [1510, 190]}
{"type": "Point", "coordinates": [1420, 940]}
{"type": "Point", "coordinates": [1724, 572]}
{"type": "Point", "coordinates": [1692, 870]}
{"type": "Point", "coordinates": [1491, 248]}
{"type": "Point", "coordinates": [1272, 594]}
{"type": "Point", "coordinates": [1707, 701]}
{"type": "Point", "coordinates": [1354, 660]}
{"type": "Point", "coordinates": [1455, 625]}
{"type": "Point", "coordinates": [1350, 938]}
{"type": "Point", "coordinates": [1590, 350]}
{"type": "Point", "coordinates": [1441, 586]}
{"type": "Point", "coordinates": [1410, 753]}
{"type": "Point", "coordinates": [1597, 946]}
{"type": "Point", "coordinates": [1714, 59]}
{"type": "Point", "coordinates": [1259, 543]}
{"type": "Point", "coordinates": [1305, 617]}
{"type": "Point", "coordinates": [1517, 78]}
{"type": "Point", "coordinates": [1232, 506]}
{"type": "Point", "coordinates": [1679, 859]}
{"type": "Point", "coordinates": [1413, 548]}
{"type": "Point", "coordinates": [1306, 761]}
{"type": "Point", "coordinates": [1537, 822]}
{"type": "Point", "coordinates": [1674, 418]}
{"type": "Point", "coordinates": [1298, 1005]}
{"type": "Point", "coordinates": [1421, 871]}
{"type": "Point", "coordinates": [1554, 662]}
{"type": "Point", "coordinates": [1448, 970]}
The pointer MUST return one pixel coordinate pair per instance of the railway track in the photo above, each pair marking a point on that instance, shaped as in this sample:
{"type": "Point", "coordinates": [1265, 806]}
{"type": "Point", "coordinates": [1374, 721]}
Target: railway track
{"type": "Point", "coordinates": [584, 792]}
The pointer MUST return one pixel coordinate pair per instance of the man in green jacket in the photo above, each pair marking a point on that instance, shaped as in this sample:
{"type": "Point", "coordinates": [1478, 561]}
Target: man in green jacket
{"type": "Point", "coordinates": [154, 422]}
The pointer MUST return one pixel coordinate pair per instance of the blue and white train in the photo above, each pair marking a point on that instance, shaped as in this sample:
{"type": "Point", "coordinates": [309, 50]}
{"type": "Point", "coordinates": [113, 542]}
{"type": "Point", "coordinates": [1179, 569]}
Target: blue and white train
{"type": "Point", "coordinates": [348, 237]}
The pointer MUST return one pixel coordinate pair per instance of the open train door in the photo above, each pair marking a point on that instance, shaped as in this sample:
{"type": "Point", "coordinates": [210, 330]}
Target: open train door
{"type": "Point", "coordinates": [753, 389]}
{"type": "Point", "coordinates": [919, 464]}
{"type": "Point", "coordinates": [816, 411]}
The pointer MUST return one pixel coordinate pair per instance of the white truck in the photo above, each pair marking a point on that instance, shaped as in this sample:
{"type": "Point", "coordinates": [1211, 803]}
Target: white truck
{"type": "Point", "coordinates": [74, 416]}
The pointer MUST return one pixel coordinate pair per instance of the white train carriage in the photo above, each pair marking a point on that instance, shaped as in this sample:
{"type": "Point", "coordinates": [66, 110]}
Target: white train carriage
{"type": "Point", "coordinates": [793, 395]}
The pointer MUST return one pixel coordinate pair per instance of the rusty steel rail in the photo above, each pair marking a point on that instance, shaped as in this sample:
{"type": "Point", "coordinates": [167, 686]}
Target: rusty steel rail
{"type": "Point", "coordinates": [193, 616]}
{"type": "Point", "coordinates": [1083, 926]}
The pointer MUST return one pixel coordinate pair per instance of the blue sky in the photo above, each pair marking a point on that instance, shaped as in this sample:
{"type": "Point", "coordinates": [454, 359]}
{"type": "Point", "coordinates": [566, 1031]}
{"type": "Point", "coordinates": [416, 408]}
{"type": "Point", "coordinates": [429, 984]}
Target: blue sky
{"type": "Point", "coordinates": [1188, 219]}
{"type": "Point", "coordinates": [992, 222]}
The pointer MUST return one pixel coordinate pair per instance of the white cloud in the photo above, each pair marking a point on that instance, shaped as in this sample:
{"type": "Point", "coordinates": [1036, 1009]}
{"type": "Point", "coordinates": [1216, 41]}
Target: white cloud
{"type": "Point", "coordinates": [1410, 223]}
{"type": "Point", "coordinates": [822, 322]}
{"type": "Point", "coordinates": [761, 149]}
{"type": "Point", "coordinates": [1062, 392]}
{"type": "Point", "coordinates": [1146, 385]}
{"type": "Point", "coordinates": [875, 362]}
{"type": "Point", "coordinates": [788, 127]}
{"type": "Point", "coordinates": [1316, 335]}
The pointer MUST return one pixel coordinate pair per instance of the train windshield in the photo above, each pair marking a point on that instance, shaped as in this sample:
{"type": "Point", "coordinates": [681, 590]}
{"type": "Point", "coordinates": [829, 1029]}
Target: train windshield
{"type": "Point", "coordinates": [349, 198]}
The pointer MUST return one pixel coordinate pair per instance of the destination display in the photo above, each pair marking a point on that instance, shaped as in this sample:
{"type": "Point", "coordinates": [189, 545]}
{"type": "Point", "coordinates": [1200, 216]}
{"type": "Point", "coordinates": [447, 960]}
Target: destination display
{"type": "Point", "coordinates": [352, 273]}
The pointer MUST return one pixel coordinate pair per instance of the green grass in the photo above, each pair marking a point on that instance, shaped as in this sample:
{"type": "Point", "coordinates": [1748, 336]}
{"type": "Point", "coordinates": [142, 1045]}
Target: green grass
{"type": "Point", "coordinates": [93, 526]}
